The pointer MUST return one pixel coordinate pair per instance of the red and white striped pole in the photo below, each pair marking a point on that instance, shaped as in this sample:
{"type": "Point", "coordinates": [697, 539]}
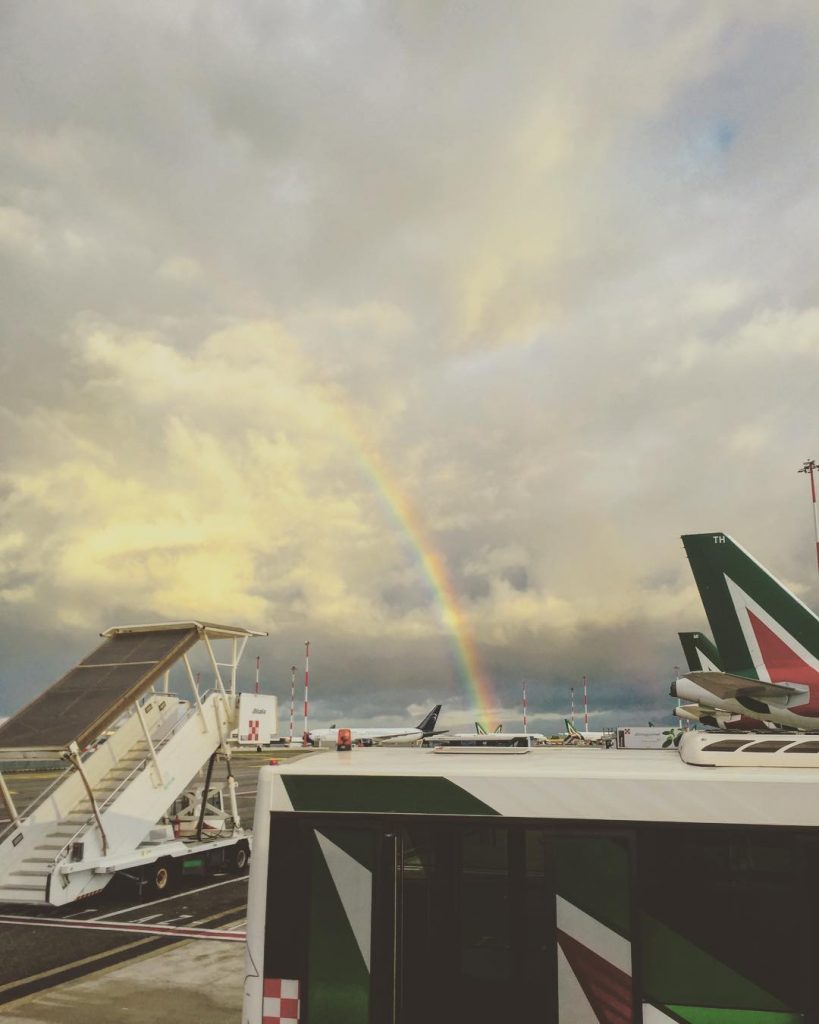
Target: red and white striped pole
{"type": "Point", "coordinates": [525, 710]}
{"type": "Point", "coordinates": [809, 467]}
{"type": "Point", "coordinates": [258, 660]}
{"type": "Point", "coordinates": [572, 705]}
{"type": "Point", "coordinates": [586, 702]}
{"type": "Point", "coordinates": [305, 738]}
{"type": "Point", "coordinates": [292, 703]}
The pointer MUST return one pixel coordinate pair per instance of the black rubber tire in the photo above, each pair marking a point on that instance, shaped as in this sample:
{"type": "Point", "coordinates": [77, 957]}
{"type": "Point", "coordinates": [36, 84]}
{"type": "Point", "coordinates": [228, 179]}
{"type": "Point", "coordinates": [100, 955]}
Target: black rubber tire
{"type": "Point", "coordinates": [161, 877]}
{"type": "Point", "coordinates": [238, 860]}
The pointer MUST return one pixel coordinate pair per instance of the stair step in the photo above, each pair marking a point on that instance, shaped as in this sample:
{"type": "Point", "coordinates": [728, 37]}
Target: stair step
{"type": "Point", "coordinates": [57, 835]}
{"type": "Point", "coordinates": [37, 860]}
{"type": "Point", "coordinates": [29, 874]}
{"type": "Point", "coordinates": [50, 846]}
{"type": "Point", "coordinates": [23, 887]}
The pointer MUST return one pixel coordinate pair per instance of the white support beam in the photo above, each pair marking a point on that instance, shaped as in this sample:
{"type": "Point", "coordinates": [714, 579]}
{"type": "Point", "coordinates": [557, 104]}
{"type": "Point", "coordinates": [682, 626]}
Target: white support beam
{"type": "Point", "coordinates": [7, 800]}
{"type": "Point", "coordinates": [160, 779]}
{"type": "Point", "coordinates": [196, 696]}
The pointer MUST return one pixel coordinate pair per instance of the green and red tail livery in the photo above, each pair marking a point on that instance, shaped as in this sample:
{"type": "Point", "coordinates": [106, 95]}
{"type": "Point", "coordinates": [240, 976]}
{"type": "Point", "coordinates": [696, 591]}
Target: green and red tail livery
{"type": "Point", "coordinates": [761, 629]}
{"type": "Point", "coordinates": [701, 654]}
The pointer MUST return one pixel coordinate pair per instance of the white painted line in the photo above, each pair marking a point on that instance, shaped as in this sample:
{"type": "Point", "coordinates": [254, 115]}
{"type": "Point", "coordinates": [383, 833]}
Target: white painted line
{"type": "Point", "coordinates": [219, 934]}
{"type": "Point", "coordinates": [164, 899]}
{"type": "Point", "coordinates": [150, 917]}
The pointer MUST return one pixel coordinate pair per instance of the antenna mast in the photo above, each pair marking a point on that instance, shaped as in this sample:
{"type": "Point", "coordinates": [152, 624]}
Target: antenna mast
{"type": "Point", "coordinates": [810, 467]}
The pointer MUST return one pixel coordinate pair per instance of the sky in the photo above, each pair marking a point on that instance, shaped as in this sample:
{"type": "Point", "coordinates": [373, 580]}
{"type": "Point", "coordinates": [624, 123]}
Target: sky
{"type": "Point", "coordinates": [418, 330]}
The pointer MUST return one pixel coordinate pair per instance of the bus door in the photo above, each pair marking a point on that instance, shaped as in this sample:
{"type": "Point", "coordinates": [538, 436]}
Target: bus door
{"type": "Point", "coordinates": [472, 925]}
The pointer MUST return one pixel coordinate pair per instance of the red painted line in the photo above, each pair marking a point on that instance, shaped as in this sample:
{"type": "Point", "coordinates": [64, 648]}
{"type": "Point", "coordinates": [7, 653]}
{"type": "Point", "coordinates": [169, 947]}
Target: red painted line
{"type": "Point", "coordinates": [122, 926]}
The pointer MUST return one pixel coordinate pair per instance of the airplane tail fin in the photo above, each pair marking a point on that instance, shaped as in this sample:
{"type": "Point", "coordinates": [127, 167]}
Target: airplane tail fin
{"type": "Point", "coordinates": [428, 722]}
{"type": "Point", "coordinates": [760, 628]}
{"type": "Point", "coordinates": [571, 731]}
{"type": "Point", "coordinates": [701, 654]}
{"type": "Point", "coordinates": [479, 729]}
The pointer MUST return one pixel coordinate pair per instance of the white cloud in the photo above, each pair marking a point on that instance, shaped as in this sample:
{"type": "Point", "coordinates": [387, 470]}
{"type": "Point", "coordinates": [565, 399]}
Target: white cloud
{"type": "Point", "coordinates": [290, 291]}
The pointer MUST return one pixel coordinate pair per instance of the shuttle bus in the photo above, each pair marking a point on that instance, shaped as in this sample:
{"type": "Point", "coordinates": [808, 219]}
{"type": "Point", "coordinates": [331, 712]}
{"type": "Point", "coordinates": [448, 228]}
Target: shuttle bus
{"type": "Point", "coordinates": [569, 885]}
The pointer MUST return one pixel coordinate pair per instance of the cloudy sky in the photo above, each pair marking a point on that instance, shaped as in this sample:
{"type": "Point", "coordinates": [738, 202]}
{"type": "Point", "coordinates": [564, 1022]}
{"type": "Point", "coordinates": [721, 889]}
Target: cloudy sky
{"type": "Point", "coordinates": [403, 327]}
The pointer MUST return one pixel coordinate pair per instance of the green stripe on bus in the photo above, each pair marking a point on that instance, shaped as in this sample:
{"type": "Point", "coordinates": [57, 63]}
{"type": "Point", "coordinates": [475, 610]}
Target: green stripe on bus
{"type": "Point", "coordinates": [673, 967]}
{"type": "Point", "coordinates": [712, 1015]}
{"type": "Point", "coordinates": [382, 795]}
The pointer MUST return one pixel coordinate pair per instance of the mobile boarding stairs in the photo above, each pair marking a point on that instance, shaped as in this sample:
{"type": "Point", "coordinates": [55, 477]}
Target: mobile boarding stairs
{"type": "Point", "coordinates": [133, 748]}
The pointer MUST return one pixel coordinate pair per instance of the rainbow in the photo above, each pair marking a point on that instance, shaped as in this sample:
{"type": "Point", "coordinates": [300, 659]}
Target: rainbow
{"type": "Point", "coordinates": [476, 680]}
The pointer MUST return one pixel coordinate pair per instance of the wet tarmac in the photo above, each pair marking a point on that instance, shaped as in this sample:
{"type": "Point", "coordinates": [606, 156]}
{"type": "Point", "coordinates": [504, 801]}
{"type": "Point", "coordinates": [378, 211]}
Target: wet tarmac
{"type": "Point", "coordinates": [122, 957]}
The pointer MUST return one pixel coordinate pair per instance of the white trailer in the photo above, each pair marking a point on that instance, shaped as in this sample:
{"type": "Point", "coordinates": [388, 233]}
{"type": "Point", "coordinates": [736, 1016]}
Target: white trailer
{"type": "Point", "coordinates": [258, 721]}
{"type": "Point", "coordinates": [648, 737]}
{"type": "Point", "coordinates": [140, 796]}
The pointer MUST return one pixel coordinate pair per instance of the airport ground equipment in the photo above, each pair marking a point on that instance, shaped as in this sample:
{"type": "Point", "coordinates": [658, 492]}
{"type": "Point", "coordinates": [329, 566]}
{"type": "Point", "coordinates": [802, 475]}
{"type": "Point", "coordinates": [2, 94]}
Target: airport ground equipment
{"type": "Point", "coordinates": [257, 722]}
{"type": "Point", "coordinates": [565, 885]}
{"type": "Point", "coordinates": [647, 737]}
{"type": "Point", "coordinates": [136, 751]}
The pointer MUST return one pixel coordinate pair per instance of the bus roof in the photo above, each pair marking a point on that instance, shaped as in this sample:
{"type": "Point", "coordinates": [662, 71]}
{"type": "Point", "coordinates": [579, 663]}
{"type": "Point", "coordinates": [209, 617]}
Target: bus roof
{"type": "Point", "coordinates": [562, 783]}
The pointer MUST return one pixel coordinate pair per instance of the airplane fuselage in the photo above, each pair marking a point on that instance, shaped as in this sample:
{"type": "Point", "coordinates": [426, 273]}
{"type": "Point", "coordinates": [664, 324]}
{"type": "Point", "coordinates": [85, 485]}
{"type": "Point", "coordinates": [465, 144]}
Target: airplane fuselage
{"type": "Point", "coordinates": [805, 716]}
{"type": "Point", "coordinates": [382, 737]}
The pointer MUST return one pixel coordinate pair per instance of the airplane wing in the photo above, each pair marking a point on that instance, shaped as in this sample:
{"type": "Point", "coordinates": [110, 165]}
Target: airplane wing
{"type": "Point", "coordinates": [725, 686]}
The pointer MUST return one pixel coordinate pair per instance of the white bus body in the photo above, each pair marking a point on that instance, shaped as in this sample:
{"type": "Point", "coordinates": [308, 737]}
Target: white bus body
{"type": "Point", "coordinates": [565, 886]}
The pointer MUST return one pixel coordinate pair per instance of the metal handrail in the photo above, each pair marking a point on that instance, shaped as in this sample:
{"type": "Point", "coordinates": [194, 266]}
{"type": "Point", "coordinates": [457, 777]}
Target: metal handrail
{"type": "Point", "coordinates": [47, 792]}
{"type": "Point", "coordinates": [193, 709]}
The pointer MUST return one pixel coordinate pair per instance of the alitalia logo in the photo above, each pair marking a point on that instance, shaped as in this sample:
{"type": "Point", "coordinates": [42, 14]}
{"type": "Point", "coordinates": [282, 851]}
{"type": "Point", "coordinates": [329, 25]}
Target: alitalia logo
{"type": "Point", "coordinates": [778, 657]}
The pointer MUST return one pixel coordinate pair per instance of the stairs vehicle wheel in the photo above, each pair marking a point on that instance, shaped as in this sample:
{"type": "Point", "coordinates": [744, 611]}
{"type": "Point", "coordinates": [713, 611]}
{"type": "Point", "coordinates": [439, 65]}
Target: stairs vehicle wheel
{"type": "Point", "coordinates": [239, 858]}
{"type": "Point", "coordinates": [161, 877]}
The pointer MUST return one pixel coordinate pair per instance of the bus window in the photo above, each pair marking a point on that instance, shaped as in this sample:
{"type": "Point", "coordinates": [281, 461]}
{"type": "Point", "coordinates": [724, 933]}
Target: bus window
{"type": "Point", "coordinates": [593, 918]}
{"type": "Point", "coordinates": [715, 950]}
{"type": "Point", "coordinates": [475, 922]}
{"type": "Point", "coordinates": [339, 952]}
{"type": "Point", "coordinates": [485, 932]}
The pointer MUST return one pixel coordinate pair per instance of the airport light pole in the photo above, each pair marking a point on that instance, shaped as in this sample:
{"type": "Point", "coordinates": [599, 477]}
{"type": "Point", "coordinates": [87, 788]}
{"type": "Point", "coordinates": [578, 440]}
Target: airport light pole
{"type": "Point", "coordinates": [292, 702]}
{"type": "Point", "coordinates": [810, 468]}
{"type": "Point", "coordinates": [305, 739]}
{"type": "Point", "coordinates": [586, 702]}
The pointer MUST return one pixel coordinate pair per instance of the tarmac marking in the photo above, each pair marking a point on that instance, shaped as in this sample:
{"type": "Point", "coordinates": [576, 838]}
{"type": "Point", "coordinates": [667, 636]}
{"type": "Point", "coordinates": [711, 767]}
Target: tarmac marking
{"type": "Point", "coordinates": [222, 935]}
{"type": "Point", "coordinates": [76, 963]}
{"type": "Point", "coordinates": [176, 896]}
{"type": "Point", "coordinates": [107, 959]}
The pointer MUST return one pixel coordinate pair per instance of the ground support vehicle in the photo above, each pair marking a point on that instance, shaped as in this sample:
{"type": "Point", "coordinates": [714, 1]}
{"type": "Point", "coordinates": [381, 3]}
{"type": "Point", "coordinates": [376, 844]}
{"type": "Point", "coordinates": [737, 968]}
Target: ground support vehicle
{"type": "Point", "coordinates": [141, 760]}
{"type": "Point", "coordinates": [565, 885]}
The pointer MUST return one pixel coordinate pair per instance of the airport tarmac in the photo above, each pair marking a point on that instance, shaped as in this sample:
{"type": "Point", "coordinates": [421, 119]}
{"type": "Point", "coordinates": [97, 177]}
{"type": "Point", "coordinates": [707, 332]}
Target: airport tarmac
{"type": "Point", "coordinates": [177, 958]}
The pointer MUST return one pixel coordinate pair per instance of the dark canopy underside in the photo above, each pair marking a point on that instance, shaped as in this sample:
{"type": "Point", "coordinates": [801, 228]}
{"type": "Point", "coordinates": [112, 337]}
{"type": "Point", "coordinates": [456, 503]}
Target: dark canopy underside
{"type": "Point", "coordinates": [91, 696]}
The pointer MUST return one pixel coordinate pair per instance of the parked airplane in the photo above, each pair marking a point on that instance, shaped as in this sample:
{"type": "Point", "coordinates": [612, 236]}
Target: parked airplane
{"type": "Point", "coordinates": [586, 738]}
{"type": "Point", "coordinates": [701, 655]}
{"type": "Point", "coordinates": [382, 735]}
{"type": "Point", "coordinates": [767, 639]}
